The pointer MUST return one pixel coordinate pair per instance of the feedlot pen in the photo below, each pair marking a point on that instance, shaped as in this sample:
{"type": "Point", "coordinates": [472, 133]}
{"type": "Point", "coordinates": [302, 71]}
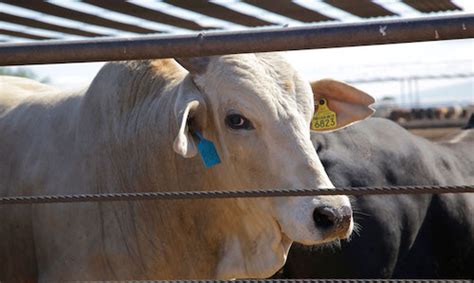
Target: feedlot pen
{"type": "Point", "coordinates": [373, 32]}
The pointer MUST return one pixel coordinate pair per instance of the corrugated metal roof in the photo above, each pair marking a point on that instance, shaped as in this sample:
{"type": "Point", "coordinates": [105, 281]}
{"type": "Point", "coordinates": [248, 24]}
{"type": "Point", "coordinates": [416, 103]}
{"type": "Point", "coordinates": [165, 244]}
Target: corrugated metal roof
{"type": "Point", "coordinates": [87, 21]}
{"type": "Point", "coordinates": [361, 8]}
{"type": "Point", "coordinates": [290, 10]}
{"type": "Point", "coordinates": [43, 25]}
{"type": "Point", "coordinates": [58, 11]}
{"type": "Point", "coordinates": [217, 11]}
{"type": "Point", "coordinates": [22, 34]}
{"type": "Point", "coordinates": [429, 6]}
{"type": "Point", "coordinates": [145, 13]}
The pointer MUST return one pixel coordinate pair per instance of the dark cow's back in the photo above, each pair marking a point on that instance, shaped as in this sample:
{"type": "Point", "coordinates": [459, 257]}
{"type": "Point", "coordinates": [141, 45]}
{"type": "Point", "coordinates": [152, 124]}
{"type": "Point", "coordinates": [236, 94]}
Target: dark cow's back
{"type": "Point", "coordinates": [401, 236]}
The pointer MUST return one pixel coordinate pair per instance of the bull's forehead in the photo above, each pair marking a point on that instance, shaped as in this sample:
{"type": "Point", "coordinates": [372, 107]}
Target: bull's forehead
{"type": "Point", "coordinates": [258, 83]}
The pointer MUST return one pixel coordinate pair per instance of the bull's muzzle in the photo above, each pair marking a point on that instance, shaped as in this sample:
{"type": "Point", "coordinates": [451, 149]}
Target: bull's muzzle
{"type": "Point", "coordinates": [333, 221]}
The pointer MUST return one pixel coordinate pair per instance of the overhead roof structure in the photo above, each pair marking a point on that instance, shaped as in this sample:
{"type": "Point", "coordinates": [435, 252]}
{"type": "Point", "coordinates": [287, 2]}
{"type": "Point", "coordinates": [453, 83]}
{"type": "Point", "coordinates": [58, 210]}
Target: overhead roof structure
{"type": "Point", "coordinates": [361, 8]}
{"type": "Point", "coordinates": [39, 20]}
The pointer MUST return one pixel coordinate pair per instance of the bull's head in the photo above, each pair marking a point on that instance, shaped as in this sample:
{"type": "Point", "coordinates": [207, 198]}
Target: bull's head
{"type": "Point", "coordinates": [258, 110]}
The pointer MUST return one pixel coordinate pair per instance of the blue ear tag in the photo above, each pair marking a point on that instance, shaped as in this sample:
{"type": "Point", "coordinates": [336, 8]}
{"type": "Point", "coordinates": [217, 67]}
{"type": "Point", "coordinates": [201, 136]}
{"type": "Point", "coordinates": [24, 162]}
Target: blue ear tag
{"type": "Point", "coordinates": [208, 151]}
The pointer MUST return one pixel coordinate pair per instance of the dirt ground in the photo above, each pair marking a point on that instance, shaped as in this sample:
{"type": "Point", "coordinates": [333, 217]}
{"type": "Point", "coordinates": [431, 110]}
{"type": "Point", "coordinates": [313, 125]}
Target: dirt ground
{"type": "Point", "coordinates": [437, 134]}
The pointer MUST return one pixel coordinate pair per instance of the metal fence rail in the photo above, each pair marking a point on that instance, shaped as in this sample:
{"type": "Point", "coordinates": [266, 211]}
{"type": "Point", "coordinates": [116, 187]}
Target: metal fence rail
{"type": "Point", "coordinates": [380, 190]}
{"type": "Point", "coordinates": [257, 40]}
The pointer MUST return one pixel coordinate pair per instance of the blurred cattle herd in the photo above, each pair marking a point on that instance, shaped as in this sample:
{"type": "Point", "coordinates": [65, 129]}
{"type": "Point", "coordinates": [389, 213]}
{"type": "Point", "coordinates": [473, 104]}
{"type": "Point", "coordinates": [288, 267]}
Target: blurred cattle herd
{"type": "Point", "coordinates": [456, 112]}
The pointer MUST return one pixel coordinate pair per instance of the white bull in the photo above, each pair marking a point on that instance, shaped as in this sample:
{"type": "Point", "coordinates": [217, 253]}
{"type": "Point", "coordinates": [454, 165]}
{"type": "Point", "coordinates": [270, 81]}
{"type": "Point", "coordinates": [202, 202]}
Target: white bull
{"type": "Point", "coordinates": [136, 129]}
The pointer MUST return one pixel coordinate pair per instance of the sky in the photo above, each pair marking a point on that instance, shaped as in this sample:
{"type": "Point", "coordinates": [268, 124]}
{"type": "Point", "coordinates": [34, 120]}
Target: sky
{"type": "Point", "coordinates": [394, 60]}
{"type": "Point", "coordinates": [349, 64]}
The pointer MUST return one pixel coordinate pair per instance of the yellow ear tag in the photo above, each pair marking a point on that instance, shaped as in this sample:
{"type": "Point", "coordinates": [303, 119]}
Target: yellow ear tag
{"type": "Point", "coordinates": [324, 118]}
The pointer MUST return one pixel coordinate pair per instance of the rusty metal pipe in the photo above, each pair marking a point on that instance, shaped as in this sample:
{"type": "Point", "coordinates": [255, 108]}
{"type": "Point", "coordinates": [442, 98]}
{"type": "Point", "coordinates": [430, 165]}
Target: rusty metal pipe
{"type": "Point", "coordinates": [228, 42]}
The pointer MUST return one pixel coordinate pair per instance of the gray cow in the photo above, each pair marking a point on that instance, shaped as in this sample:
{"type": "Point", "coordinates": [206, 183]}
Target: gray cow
{"type": "Point", "coordinates": [400, 236]}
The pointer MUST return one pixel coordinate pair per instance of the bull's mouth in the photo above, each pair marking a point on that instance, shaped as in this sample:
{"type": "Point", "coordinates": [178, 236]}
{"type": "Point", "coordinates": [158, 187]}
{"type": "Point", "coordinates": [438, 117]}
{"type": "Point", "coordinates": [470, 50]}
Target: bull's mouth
{"type": "Point", "coordinates": [326, 237]}
{"type": "Point", "coordinates": [325, 240]}
{"type": "Point", "coordinates": [286, 241]}
{"type": "Point", "coordinates": [332, 238]}
{"type": "Point", "coordinates": [338, 233]}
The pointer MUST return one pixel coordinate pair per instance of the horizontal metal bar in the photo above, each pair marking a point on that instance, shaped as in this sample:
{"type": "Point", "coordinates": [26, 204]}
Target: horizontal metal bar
{"type": "Point", "coordinates": [379, 190]}
{"type": "Point", "coordinates": [255, 40]}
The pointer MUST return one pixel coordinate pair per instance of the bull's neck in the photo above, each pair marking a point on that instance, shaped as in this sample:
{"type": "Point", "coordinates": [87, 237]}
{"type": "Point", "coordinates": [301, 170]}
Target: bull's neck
{"type": "Point", "coordinates": [132, 126]}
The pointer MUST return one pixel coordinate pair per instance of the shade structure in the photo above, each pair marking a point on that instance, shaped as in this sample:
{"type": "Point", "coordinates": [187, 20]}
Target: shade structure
{"type": "Point", "coordinates": [86, 19]}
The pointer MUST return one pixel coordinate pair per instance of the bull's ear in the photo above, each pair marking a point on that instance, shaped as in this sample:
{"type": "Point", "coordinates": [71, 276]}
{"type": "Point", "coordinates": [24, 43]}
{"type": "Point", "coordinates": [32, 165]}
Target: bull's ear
{"type": "Point", "coordinates": [348, 104]}
{"type": "Point", "coordinates": [190, 112]}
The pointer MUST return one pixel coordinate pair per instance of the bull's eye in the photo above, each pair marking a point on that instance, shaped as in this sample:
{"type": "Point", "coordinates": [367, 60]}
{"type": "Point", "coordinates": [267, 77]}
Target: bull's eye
{"type": "Point", "coordinates": [238, 122]}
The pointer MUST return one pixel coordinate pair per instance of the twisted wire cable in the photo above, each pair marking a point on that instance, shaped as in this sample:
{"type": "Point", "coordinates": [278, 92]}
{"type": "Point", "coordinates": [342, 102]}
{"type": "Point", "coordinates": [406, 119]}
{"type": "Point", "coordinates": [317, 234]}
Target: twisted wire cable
{"type": "Point", "coordinates": [378, 190]}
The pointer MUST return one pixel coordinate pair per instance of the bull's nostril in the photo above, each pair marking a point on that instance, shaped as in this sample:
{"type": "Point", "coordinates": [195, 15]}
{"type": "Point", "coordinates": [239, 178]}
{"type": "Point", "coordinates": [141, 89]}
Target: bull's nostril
{"type": "Point", "coordinates": [346, 212]}
{"type": "Point", "coordinates": [324, 217]}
